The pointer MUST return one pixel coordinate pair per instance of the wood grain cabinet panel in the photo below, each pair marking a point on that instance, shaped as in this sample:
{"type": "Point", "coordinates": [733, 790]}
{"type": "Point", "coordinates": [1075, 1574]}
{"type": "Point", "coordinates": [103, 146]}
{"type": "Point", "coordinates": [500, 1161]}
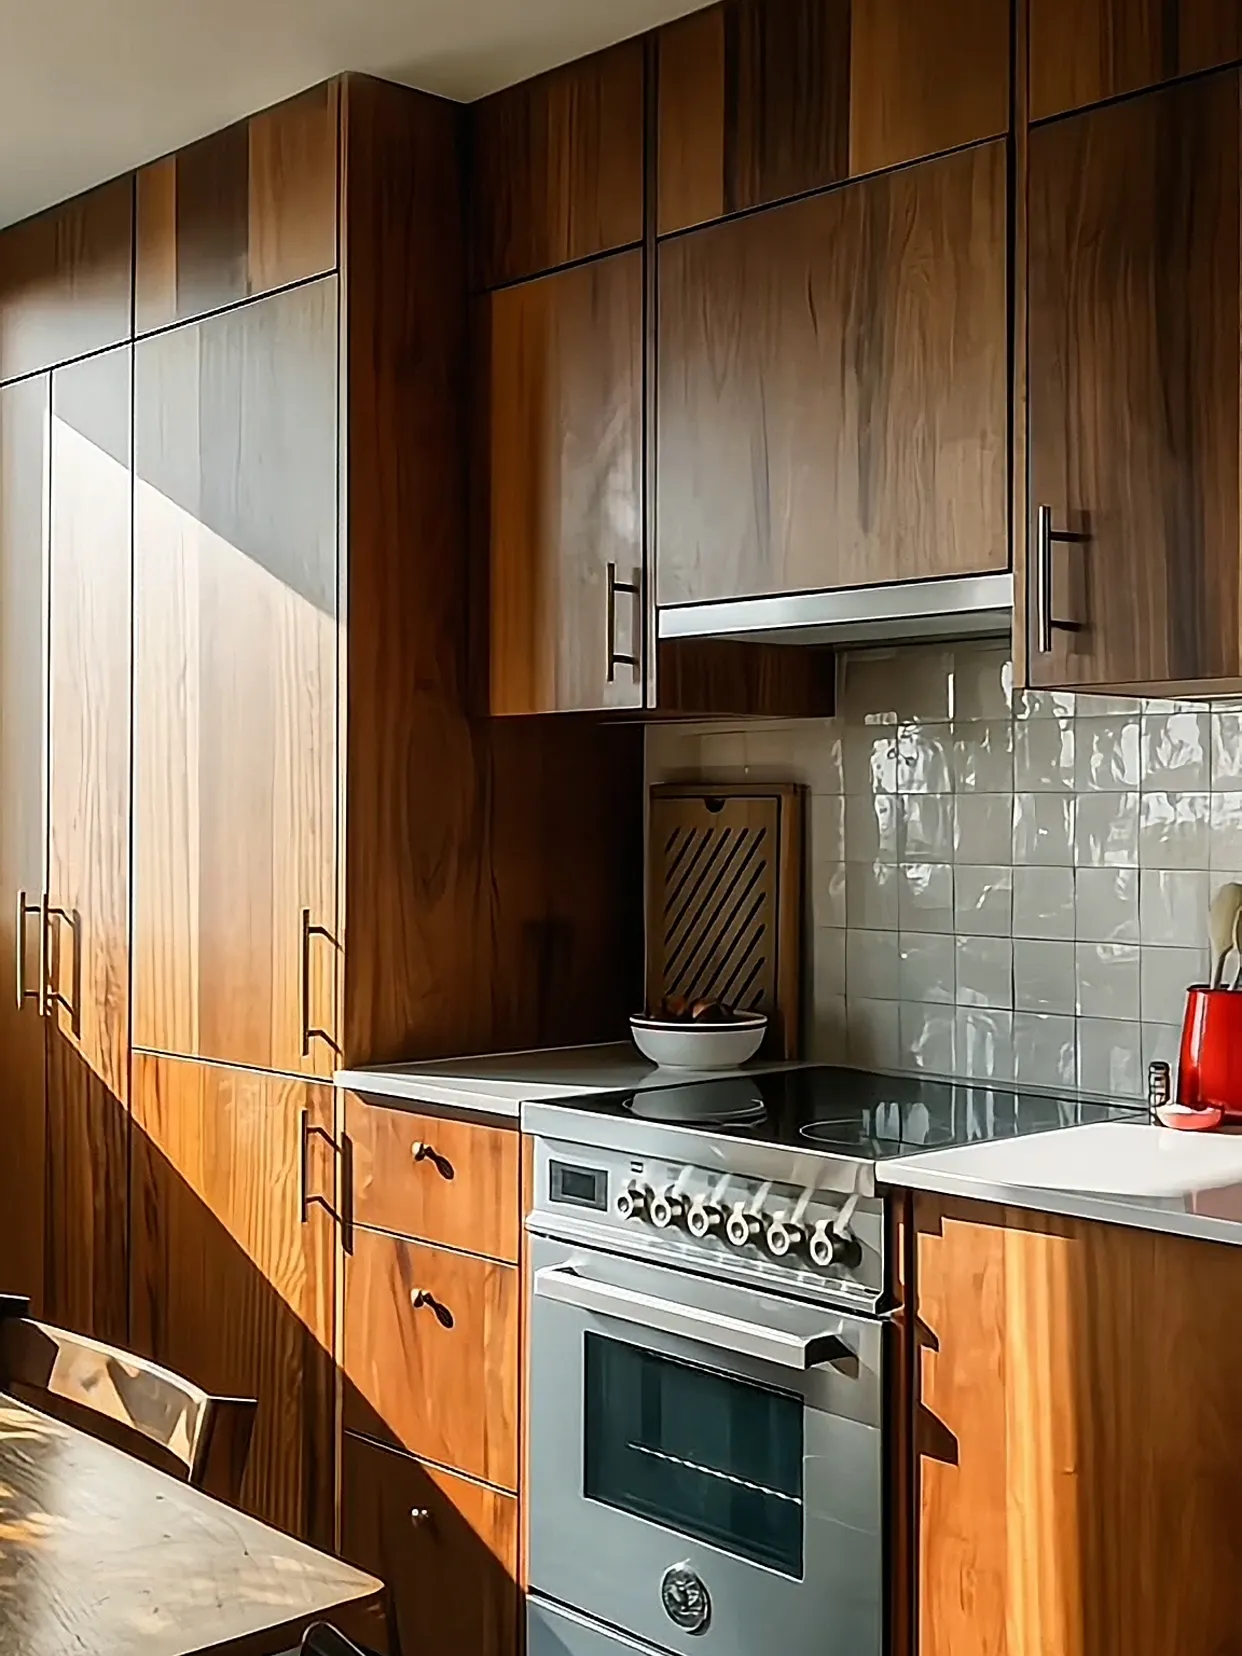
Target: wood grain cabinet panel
{"type": "Point", "coordinates": [25, 430]}
{"type": "Point", "coordinates": [760, 100]}
{"type": "Point", "coordinates": [66, 280]}
{"type": "Point", "coordinates": [557, 167]}
{"type": "Point", "coordinates": [1054, 1439]}
{"type": "Point", "coordinates": [1082, 51]}
{"type": "Point", "coordinates": [247, 210]}
{"type": "Point", "coordinates": [235, 684]}
{"type": "Point", "coordinates": [446, 1548]}
{"type": "Point", "coordinates": [232, 1261]}
{"type": "Point", "coordinates": [431, 1354]}
{"type": "Point", "coordinates": [1133, 386]}
{"type": "Point", "coordinates": [832, 388]}
{"type": "Point", "coordinates": [561, 424]}
{"type": "Point", "coordinates": [434, 1178]}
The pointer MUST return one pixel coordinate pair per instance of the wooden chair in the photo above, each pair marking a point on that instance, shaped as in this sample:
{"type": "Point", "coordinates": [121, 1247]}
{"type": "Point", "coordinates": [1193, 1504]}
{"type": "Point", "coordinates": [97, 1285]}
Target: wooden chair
{"type": "Point", "coordinates": [125, 1400]}
{"type": "Point", "coordinates": [322, 1640]}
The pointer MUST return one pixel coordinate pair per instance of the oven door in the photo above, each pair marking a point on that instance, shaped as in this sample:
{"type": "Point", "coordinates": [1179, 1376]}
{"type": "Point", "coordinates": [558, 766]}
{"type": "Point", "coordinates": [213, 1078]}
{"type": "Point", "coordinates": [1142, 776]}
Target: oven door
{"type": "Point", "coordinates": [705, 1460]}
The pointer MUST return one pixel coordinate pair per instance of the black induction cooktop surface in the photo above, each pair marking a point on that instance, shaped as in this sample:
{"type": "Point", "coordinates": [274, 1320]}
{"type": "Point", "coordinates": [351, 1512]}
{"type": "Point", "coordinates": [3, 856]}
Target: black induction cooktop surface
{"type": "Point", "coordinates": [852, 1112]}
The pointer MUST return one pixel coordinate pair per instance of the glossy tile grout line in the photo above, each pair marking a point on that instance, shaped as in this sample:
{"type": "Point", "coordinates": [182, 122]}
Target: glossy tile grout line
{"type": "Point", "coordinates": [1000, 884]}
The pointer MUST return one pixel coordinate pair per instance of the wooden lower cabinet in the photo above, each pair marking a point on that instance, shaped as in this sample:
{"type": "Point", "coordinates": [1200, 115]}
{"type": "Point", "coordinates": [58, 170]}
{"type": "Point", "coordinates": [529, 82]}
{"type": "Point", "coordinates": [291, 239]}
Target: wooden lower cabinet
{"type": "Point", "coordinates": [1078, 1452]}
{"type": "Point", "coordinates": [445, 1545]}
{"type": "Point", "coordinates": [431, 1354]}
{"type": "Point", "coordinates": [233, 1263]}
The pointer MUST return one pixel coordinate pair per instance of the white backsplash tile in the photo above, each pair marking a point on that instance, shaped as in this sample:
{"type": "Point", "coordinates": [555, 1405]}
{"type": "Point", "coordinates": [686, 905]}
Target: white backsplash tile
{"type": "Point", "coordinates": [1004, 885]}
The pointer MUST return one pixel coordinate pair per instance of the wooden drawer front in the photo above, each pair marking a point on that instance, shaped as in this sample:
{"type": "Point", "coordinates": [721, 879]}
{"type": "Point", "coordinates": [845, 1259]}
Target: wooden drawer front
{"type": "Point", "coordinates": [438, 1377]}
{"type": "Point", "coordinates": [445, 1547]}
{"type": "Point", "coordinates": [444, 1181]}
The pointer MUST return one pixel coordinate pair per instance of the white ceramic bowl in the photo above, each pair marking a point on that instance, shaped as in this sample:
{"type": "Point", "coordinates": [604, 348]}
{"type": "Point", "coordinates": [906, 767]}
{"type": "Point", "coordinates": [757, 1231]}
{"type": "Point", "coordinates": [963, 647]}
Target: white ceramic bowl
{"type": "Point", "coordinates": [690, 1046]}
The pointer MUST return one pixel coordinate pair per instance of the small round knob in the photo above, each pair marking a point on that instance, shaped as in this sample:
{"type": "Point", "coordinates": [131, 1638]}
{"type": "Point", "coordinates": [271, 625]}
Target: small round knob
{"type": "Point", "coordinates": [829, 1246]}
{"type": "Point", "coordinates": [419, 1516]}
{"type": "Point", "coordinates": [741, 1227]}
{"type": "Point", "coordinates": [666, 1208]}
{"type": "Point", "coordinates": [782, 1238]}
{"type": "Point", "coordinates": [703, 1217]}
{"type": "Point", "coordinates": [632, 1202]}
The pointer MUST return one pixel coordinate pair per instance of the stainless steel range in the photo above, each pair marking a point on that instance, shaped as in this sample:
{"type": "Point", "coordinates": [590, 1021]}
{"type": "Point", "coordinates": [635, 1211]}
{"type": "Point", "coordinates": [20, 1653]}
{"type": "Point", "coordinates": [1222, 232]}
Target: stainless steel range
{"type": "Point", "coordinates": [711, 1349]}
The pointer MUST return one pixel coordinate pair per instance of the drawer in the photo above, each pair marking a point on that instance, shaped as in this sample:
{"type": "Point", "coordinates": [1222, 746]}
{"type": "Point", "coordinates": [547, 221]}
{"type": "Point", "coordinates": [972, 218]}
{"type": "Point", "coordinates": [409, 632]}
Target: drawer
{"type": "Point", "coordinates": [431, 1354]}
{"type": "Point", "coordinates": [446, 1181]}
{"type": "Point", "coordinates": [445, 1547]}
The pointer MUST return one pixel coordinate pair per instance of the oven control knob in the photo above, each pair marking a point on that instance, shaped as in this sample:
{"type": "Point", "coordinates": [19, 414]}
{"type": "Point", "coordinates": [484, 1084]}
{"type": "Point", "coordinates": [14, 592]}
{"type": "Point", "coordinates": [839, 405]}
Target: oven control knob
{"type": "Point", "coordinates": [703, 1217]}
{"type": "Point", "coordinates": [666, 1208]}
{"type": "Point", "coordinates": [742, 1226]}
{"type": "Point", "coordinates": [632, 1202]}
{"type": "Point", "coordinates": [782, 1238]}
{"type": "Point", "coordinates": [829, 1246]}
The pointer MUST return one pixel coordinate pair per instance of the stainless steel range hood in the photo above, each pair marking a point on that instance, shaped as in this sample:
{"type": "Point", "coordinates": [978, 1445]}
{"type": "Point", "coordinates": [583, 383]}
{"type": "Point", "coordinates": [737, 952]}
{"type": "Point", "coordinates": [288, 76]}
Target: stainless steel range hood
{"type": "Point", "coordinates": [956, 606]}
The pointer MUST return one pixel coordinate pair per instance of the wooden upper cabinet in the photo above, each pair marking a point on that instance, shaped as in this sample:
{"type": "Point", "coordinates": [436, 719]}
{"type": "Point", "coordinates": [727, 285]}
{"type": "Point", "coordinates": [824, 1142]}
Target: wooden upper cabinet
{"type": "Point", "coordinates": [250, 209]}
{"type": "Point", "coordinates": [557, 167]}
{"type": "Point", "coordinates": [1134, 296]}
{"type": "Point", "coordinates": [560, 429]}
{"type": "Point", "coordinates": [832, 388]}
{"type": "Point", "coordinates": [1082, 51]}
{"type": "Point", "coordinates": [66, 281]}
{"type": "Point", "coordinates": [235, 556]}
{"type": "Point", "coordinates": [764, 99]}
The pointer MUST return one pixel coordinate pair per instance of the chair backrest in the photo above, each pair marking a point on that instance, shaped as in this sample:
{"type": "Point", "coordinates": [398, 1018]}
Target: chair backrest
{"type": "Point", "coordinates": [146, 1410]}
{"type": "Point", "coordinates": [322, 1640]}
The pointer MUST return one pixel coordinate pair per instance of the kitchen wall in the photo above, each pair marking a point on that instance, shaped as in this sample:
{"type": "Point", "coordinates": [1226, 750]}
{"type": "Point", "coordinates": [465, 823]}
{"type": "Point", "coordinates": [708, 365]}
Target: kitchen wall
{"type": "Point", "coordinates": [1001, 883]}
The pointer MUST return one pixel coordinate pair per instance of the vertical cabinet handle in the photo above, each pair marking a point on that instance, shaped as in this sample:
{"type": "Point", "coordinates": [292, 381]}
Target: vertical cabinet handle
{"type": "Point", "coordinates": [311, 1032]}
{"type": "Point", "coordinates": [25, 907]}
{"type": "Point", "coordinates": [615, 657]}
{"type": "Point", "coordinates": [53, 996]}
{"type": "Point", "coordinates": [306, 1132]}
{"type": "Point", "coordinates": [1045, 534]}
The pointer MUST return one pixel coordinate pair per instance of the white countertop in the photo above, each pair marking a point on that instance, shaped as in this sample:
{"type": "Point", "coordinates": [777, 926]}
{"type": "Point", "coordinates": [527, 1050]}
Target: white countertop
{"type": "Point", "coordinates": [499, 1084]}
{"type": "Point", "coordinates": [1125, 1173]}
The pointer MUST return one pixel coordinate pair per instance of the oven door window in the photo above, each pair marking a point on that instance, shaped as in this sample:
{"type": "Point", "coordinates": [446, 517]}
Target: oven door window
{"type": "Point", "coordinates": [706, 1454]}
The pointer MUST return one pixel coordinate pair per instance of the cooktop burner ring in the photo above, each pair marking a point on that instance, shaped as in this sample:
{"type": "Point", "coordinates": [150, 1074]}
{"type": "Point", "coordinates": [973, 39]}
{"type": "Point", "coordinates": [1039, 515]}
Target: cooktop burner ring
{"type": "Point", "coordinates": [730, 1101]}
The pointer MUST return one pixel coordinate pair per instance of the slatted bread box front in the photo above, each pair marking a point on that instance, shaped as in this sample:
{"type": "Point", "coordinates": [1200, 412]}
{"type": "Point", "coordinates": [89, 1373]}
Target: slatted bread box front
{"type": "Point", "coordinates": [724, 900]}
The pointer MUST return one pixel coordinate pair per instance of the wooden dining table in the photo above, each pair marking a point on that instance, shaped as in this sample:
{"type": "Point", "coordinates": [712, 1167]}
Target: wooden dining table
{"type": "Point", "coordinates": [101, 1555]}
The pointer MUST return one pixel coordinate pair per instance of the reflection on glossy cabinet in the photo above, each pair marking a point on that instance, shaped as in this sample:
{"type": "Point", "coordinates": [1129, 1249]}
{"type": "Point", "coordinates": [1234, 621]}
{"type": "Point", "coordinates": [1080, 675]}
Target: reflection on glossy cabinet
{"type": "Point", "coordinates": [233, 1275]}
{"type": "Point", "coordinates": [1056, 1437]}
{"type": "Point", "coordinates": [558, 167]}
{"type": "Point", "coordinates": [1133, 390]}
{"type": "Point", "coordinates": [431, 1354]}
{"type": "Point", "coordinates": [833, 405]}
{"type": "Point", "coordinates": [66, 280]}
{"type": "Point", "coordinates": [764, 99]}
{"type": "Point", "coordinates": [249, 209]}
{"type": "Point", "coordinates": [24, 459]}
{"type": "Point", "coordinates": [235, 684]}
{"type": "Point", "coordinates": [445, 1546]}
{"type": "Point", "coordinates": [1082, 51]}
{"type": "Point", "coordinates": [561, 438]}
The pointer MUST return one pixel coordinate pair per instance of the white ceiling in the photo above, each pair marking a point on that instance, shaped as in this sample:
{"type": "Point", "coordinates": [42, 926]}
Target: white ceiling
{"type": "Point", "coordinates": [90, 88]}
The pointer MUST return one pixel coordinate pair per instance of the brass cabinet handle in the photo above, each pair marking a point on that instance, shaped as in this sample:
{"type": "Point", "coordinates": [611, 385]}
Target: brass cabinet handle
{"type": "Point", "coordinates": [53, 996]}
{"type": "Point", "coordinates": [1045, 534]}
{"type": "Point", "coordinates": [25, 907]}
{"type": "Point", "coordinates": [615, 658]}
{"type": "Point", "coordinates": [308, 1033]}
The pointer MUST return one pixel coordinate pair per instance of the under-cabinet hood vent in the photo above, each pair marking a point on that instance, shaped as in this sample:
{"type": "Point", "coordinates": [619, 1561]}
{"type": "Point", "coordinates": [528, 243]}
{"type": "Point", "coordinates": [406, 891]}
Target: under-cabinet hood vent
{"type": "Point", "coordinates": [957, 606]}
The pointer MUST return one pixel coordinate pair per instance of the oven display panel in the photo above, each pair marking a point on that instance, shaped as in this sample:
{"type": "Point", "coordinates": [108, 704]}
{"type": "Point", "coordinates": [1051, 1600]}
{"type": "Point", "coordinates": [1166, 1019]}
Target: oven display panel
{"type": "Point", "coordinates": [584, 1187]}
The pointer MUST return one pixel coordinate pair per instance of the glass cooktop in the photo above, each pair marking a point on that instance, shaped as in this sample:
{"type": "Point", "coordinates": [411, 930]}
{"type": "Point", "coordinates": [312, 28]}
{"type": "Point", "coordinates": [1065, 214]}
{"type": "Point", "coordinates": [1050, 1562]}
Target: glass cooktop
{"type": "Point", "coordinates": [854, 1112]}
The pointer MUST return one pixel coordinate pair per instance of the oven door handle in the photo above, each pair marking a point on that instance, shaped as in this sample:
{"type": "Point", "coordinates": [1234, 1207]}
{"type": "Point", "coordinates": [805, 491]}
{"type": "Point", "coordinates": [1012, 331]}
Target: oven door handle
{"type": "Point", "coordinates": [745, 1339]}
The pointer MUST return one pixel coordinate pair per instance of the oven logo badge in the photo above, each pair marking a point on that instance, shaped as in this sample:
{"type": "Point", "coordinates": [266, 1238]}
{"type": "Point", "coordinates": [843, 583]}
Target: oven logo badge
{"type": "Point", "coordinates": [685, 1598]}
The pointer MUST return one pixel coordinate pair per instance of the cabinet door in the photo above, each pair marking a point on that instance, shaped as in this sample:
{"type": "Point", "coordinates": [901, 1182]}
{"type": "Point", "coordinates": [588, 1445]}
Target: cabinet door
{"type": "Point", "coordinates": [235, 684]}
{"type": "Point", "coordinates": [66, 280]}
{"type": "Point", "coordinates": [1082, 51]}
{"type": "Point", "coordinates": [558, 167]}
{"type": "Point", "coordinates": [445, 1546]}
{"type": "Point", "coordinates": [247, 210]}
{"type": "Point", "coordinates": [1133, 389]}
{"type": "Point", "coordinates": [561, 428]}
{"type": "Point", "coordinates": [832, 388]}
{"type": "Point", "coordinates": [24, 507]}
{"type": "Point", "coordinates": [88, 870]}
{"type": "Point", "coordinates": [233, 1264]}
{"type": "Point", "coordinates": [764, 99]}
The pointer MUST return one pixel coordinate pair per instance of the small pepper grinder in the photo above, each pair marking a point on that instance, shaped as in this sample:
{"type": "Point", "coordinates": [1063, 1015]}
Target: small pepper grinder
{"type": "Point", "coordinates": [1159, 1087]}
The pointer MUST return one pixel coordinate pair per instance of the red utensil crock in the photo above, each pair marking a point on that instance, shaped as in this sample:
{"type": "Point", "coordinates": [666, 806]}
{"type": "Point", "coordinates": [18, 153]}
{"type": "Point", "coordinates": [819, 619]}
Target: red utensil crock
{"type": "Point", "coordinates": [1210, 1065]}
